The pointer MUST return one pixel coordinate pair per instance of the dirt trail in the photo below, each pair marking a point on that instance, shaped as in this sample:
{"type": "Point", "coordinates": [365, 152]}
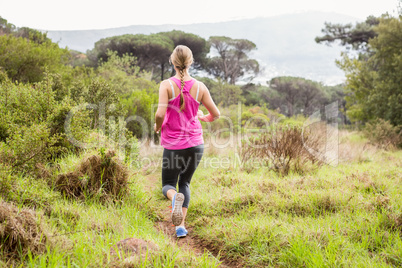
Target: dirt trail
{"type": "Point", "coordinates": [190, 242]}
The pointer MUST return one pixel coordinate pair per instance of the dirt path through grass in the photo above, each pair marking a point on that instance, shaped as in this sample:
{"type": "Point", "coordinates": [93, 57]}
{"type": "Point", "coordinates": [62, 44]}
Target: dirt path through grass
{"type": "Point", "coordinates": [191, 242]}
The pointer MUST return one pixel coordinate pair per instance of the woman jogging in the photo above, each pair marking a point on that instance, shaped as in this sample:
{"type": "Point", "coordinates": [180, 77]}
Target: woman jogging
{"type": "Point", "coordinates": [178, 118]}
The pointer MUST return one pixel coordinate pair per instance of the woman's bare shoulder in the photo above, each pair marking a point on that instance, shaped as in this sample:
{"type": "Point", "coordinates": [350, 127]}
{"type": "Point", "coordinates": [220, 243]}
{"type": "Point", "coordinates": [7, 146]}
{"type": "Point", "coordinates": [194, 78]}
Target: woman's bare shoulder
{"type": "Point", "coordinates": [165, 84]}
{"type": "Point", "coordinates": [203, 87]}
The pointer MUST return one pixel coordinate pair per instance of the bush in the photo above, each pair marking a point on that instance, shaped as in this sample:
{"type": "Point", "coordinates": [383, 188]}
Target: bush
{"type": "Point", "coordinates": [25, 60]}
{"type": "Point", "coordinates": [102, 176]}
{"type": "Point", "coordinates": [20, 231]}
{"type": "Point", "coordinates": [27, 146]}
{"type": "Point", "coordinates": [381, 133]}
{"type": "Point", "coordinates": [6, 181]}
{"type": "Point", "coordinates": [33, 119]}
{"type": "Point", "coordinates": [139, 104]}
{"type": "Point", "coordinates": [283, 149]}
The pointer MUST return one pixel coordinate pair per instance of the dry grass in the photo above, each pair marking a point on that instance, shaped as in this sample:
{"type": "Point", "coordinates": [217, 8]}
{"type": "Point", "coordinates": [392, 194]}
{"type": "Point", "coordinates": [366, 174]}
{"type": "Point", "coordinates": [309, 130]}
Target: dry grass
{"type": "Point", "coordinates": [150, 149]}
{"type": "Point", "coordinates": [20, 231]}
{"type": "Point", "coordinates": [284, 148]}
{"type": "Point", "coordinates": [354, 150]}
{"type": "Point", "coordinates": [103, 176]}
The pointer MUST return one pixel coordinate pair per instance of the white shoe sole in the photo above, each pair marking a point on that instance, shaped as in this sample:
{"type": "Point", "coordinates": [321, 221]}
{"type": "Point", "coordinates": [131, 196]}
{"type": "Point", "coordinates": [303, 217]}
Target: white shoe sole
{"type": "Point", "coordinates": [180, 236]}
{"type": "Point", "coordinates": [177, 214]}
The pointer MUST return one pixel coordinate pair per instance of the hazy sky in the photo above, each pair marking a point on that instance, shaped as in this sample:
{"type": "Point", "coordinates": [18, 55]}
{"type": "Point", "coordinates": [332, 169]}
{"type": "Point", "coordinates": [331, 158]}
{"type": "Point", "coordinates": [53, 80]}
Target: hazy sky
{"type": "Point", "coordinates": [91, 14]}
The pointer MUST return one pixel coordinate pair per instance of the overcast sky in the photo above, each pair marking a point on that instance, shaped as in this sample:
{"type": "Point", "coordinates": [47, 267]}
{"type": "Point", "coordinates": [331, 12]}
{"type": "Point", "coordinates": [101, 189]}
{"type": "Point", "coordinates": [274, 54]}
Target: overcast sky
{"type": "Point", "coordinates": [91, 14]}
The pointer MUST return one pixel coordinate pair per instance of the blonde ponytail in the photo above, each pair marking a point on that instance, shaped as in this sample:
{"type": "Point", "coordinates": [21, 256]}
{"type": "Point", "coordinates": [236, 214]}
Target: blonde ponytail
{"type": "Point", "coordinates": [182, 102]}
{"type": "Point", "coordinates": [182, 58]}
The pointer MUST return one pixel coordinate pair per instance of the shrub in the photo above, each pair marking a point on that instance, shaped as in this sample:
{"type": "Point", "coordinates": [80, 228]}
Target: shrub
{"type": "Point", "coordinates": [139, 104]}
{"type": "Point", "coordinates": [27, 146]}
{"type": "Point", "coordinates": [25, 60]}
{"type": "Point", "coordinates": [6, 181]}
{"type": "Point", "coordinates": [283, 149]}
{"type": "Point", "coordinates": [383, 134]}
{"type": "Point", "coordinates": [102, 176]}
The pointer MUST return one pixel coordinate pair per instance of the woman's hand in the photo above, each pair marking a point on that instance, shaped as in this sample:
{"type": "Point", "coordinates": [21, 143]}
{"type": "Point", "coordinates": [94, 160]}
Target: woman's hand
{"type": "Point", "coordinates": [155, 129]}
{"type": "Point", "coordinates": [200, 114]}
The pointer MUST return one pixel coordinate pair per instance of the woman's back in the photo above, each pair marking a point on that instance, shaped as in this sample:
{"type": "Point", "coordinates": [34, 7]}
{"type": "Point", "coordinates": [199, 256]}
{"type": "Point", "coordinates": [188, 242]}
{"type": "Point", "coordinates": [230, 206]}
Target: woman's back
{"type": "Point", "coordinates": [182, 129]}
{"type": "Point", "coordinates": [195, 88]}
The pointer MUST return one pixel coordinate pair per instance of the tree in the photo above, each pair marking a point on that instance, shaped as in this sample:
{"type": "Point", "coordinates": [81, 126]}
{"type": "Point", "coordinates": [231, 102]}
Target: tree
{"type": "Point", "coordinates": [198, 45]}
{"type": "Point", "coordinates": [226, 94]}
{"type": "Point", "coordinates": [232, 61]}
{"type": "Point", "coordinates": [32, 34]}
{"type": "Point", "coordinates": [288, 91]}
{"type": "Point", "coordinates": [298, 94]}
{"type": "Point", "coordinates": [151, 51]}
{"type": "Point", "coordinates": [337, 94]}
{"type": "Point", "coordinates": [311, 95]}
{"type": "Point", "coordinates": [374, 82]}
{"type": "Point", "coordinates": [25, 32]}
{"type": "Point", "coordinates": [6, 27]}
{"type": "Point", "coordinates": [26, 61]}
{"type": "Point", "coordinates": [356, 36]}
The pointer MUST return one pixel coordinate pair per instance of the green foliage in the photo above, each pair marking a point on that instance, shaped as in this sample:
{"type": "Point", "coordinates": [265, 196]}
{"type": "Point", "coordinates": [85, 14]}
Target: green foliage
{"type": "Point", "coordinates": [256, 94]}
{"type": "Point", "coordinates": [29, 145]}
{"type": "Point", "coordinates": [382, 133]}
{"type": "Point", "coordinates": [77, 58]}
{"type": "Point", "coordinates": [225, 94]}
{"type": "Point", "coordinates": [26, 61]}
{"type": "Point", "coordinates": [259, 117]}
{"type": "Point", "coordinates": [6, 181]}
{"type": "Point", "coordinates": [119, 71]}
{"type": "Point", "coordinates": [337, 94]}
{"type": "Point", "coordinates": [356, 36]}
{"type": "Point", "coordinates": [347, 216]}
{"type": "Point", "coordinates": [39, 122]}
{"type": "Point", "coordinates": [32, 124]}
{"type": "Point", "coordinates": [151, 51]}
{"type": "Point", "coordinates": [24, 32]}
{"type": "Point", "coordinates": [297, 95]}
{"type": "Point", "coordinates": [373, 82]}
{"type": "Point", "coordinates": [6, 27]}
{"type": "Point", "coordinates": [139, 105]}
{"type": "Point", "coordinates": [198, 45]}
{"type": "Point", "coordinates": [32, 35]}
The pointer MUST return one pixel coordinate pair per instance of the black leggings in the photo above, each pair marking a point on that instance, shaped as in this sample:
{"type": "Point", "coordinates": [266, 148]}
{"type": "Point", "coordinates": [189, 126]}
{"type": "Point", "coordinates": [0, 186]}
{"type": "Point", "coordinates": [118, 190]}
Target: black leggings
{"type": "Point", "coordinates": [181, 163]}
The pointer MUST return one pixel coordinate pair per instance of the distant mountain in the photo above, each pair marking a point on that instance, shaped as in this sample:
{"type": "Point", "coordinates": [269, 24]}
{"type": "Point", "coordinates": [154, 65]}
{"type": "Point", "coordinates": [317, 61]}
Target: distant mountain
{"type": "Point", "coordinates": [285, 44]}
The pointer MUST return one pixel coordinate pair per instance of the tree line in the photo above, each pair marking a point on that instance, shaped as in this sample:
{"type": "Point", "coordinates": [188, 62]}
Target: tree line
{"type": "Point", "coordinates": [152, 52]}
{"type": "Point", "coordinates": [373, 77]}
{"type": "Point", "coordinates": [373, 87]}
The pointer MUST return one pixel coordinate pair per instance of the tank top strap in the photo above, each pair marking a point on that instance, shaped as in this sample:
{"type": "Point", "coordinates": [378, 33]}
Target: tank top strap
{"type": "Point", "coordinates": [171, 85]}
{"type": "Point", "coordinates": [198, 90]}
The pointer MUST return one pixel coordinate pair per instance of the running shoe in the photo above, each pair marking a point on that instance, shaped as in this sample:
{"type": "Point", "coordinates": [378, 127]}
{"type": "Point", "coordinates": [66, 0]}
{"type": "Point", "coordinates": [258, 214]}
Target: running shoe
{"type": "Point", "coordinates": [177, 212]}
{"type": "Point", "coordinates": [181, 231]}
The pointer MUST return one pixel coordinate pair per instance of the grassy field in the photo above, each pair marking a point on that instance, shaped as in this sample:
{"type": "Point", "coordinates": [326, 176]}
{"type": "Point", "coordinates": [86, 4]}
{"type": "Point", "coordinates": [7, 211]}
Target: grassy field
{"type": "Point", "coordinates": [82, 233]}
{"type": "Point", "coordinates": [344, 216]}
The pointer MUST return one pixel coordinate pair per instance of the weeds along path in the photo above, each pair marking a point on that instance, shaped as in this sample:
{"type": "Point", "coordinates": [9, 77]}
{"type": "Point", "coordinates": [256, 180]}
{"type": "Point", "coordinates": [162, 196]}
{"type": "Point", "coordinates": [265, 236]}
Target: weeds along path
{"type": "Point", "coordinates": [191, 242]}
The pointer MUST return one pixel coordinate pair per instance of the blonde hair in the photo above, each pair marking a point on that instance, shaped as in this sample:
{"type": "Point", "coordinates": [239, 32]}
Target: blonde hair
{"type": "Point", "coordinates": [181, 58]}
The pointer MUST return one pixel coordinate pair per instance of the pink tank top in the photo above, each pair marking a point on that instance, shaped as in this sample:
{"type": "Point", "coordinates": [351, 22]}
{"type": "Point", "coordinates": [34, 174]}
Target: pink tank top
{"type": "Point", "coordinates": [181, 130]}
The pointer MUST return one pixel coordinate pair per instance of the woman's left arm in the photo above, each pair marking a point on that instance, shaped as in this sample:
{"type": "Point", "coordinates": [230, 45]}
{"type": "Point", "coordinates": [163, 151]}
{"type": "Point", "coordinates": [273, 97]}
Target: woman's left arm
{"type": "Point", "coordinates": [162, 106]}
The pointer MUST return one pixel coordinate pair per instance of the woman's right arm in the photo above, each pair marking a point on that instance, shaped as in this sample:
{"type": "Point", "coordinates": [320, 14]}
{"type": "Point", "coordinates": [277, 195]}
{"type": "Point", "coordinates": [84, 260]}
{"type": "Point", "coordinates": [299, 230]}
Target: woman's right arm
{"type": "Point", "coordinates": [208, 102]}
{"type": "Point", "coordinates": [162, 106]}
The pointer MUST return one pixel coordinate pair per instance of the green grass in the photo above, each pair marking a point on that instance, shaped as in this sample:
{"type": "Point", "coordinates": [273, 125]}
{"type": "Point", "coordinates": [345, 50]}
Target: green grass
{"type": "Point", "coordinates": [87, 232]}
{"type": "Point", "coordinates": [344, 216]}
{"type": "Point", "coordinates": [82, 232]}
{"type": "Point", "coordinates": [348, 216]}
